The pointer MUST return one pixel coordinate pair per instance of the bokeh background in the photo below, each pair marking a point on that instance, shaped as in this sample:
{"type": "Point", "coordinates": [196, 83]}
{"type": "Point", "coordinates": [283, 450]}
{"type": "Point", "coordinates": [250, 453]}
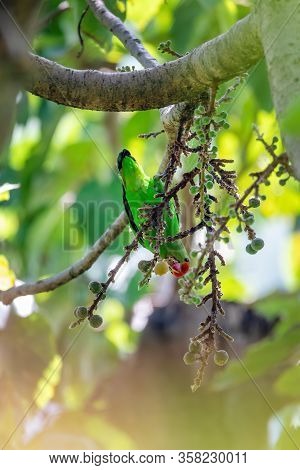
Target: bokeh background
{"type": "Point", "coordinates": [126, 387]}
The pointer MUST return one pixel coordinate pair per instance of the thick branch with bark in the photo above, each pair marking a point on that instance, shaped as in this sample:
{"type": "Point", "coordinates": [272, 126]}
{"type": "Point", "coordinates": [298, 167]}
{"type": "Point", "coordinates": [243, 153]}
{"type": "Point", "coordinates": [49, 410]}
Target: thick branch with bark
{"type": "Point", "coordinates": [279, 22]}
{"type": "Point", "coordinates": [51, 283]}
{"type": "Point", "coordinates": [216, 61]}
{"type": "Point", "coordinates": [170, 115]}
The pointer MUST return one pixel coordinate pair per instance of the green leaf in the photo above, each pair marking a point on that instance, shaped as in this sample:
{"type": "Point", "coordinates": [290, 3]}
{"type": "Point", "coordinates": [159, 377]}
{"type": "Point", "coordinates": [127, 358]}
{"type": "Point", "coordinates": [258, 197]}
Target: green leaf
{"type": "Point", "coordinates": [291, 120]}
{"type": "Point", "coordinates": [258, 80]}
{"type": "Point", "coordinates": [260, 359]}
{"type": "Point", "coordinates": [189, 163]}
{"type": "Point", "coordinates": [288, 382]}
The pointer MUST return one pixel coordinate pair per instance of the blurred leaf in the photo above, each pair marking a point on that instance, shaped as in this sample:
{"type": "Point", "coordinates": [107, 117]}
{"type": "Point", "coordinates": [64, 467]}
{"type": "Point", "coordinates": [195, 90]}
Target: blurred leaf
{"type": "Point", "coordinates": [288, 383]}
{"type": "Point", "coordinates": [9, 223]}
{"type": "Point", "coordinates": [121, 336]}
{"type": "Point", "coordinates": [190, 162]}
{"type": "Point", "coordinates": [291, 119]}
{"type": "Point", "coordinates": [260, 359]}
{"type": "Point", "coordinates": [284, 306]}
{"type": "Point", "coordinates": [7, 276]}
{"type": "Point", "coordinates": [258, 80]}
{"type": "Point", "coordinates": [5, 189]}
{"type": "Point", "coordinates": [295, 255]}
{"type": "Point", "coordinates": [284, 428]}
{"type": "Point", "coordinates": [97, 206]}
{"type": "Point", "coordinates": [22, 108]}
{"type": "Point", "coordinates": [141, 16]}
{"type": "Point", "coordinates": [112, 310]}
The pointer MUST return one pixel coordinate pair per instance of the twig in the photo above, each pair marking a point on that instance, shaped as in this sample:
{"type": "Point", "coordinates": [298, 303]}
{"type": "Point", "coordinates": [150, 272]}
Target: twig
{"type": "Point", "coordinates": [151, 134]}
{"type": "Point", "coordinates": [81, 41]}
{"type": "Point", "coordinates": [112, 274]}
{"type": "Point", "coordinates": [51, 283]}
{"type": "Point", "coordinates": [165, 47]}
{"type": "Point", "coordinates": [171, 116]}
{"type": "Point", "coordinates": [117, 27]}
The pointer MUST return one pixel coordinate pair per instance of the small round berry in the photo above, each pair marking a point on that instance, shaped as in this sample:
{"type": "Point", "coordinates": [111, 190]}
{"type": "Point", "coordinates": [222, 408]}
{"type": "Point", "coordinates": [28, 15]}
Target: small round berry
{"type": "Point", "coordinates": [194, 347]}
{"type": "Point", "coordinates": [239, 229]}
{"type": "Point", "coordinates": [249, 220]}
{"type": "Point", "coordinates": [221, 357]}
{"type": "Point", "coordinates": [189, 358]}
{"type": "Point", "coordinates": [144, 266]}
{"type": "Point", "coordinates": [81, 312]}
{"type": "Point", "coordinates": [254, 202]}
{"type": "Point", "coordinates": [95, 321]}
{"type": "Point", "coordinates": [209, 184]}
{"type": "Point", "coordinates": [282, 182]}
{"type": "Point", "coordinates": [194, 190]}
{"type": "Point", "coordinates": [257, 244]}
{"type": "Point", "coordinates": [161, 268]}
{"type": "Point", "coordinates": [250, 250]}
{"type": "Point", "coordinates": [95, 287]}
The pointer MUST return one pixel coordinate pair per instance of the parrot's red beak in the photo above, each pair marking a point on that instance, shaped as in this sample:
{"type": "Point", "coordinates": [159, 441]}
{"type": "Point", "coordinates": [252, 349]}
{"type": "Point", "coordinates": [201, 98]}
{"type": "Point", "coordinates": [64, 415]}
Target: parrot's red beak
{"type": "Point", "coordinates": [179, 269]}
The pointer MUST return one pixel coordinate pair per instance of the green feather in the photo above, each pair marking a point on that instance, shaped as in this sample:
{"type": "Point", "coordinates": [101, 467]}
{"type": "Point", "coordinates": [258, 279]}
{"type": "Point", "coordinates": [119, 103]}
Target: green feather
{"type": "Point", "coordinates": [140, 190]}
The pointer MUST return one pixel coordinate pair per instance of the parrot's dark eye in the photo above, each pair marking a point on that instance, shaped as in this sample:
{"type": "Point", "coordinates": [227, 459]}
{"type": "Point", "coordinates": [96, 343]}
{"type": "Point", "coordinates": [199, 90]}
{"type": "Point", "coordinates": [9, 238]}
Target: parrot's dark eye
{"type": "Point", "coordinates": [186, 260]}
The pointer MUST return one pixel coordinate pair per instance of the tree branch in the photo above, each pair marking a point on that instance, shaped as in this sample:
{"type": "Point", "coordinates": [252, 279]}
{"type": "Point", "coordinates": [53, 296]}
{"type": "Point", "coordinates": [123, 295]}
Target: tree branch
{"type": "Point", "coordinates": [280, 34]}
{"type": "Point", "coordinates": [171, 116]}
{"type": "Point", "coordinates": [218, 60]}
{"type": "Point", "coordinates": [117, 27]}
{"type": "Point", "coordinates": [51, 283]}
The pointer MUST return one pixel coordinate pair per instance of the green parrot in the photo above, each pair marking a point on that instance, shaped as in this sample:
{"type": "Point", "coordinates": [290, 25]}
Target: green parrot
{"type": "Point", "coordinates": [140, 190]}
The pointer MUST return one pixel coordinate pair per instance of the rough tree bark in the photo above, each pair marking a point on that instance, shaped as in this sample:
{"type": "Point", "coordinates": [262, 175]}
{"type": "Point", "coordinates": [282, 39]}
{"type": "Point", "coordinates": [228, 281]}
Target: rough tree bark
{"type": "Point", "coordinates": [279, 24]}
{"type": "Point", "coordinates": [216, 61]}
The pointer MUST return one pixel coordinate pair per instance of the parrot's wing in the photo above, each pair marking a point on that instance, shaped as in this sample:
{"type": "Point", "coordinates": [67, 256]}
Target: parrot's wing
{"type": "Point", "coordinates": [159, 188]}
